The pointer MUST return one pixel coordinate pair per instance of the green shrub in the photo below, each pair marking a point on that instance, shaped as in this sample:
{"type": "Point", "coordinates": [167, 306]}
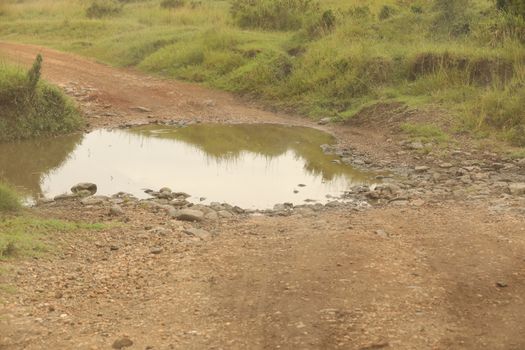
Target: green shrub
{"type": "Point", "coordinates": [272, 14]}
{"type": "Point", "coordinates": [9, 199]}
{"type": "Point", "coordinates": [31, 107]}
{"type": "Point", "coordinates": [172, 4]}
{"type": "Point", "coordinates": [103, 8]}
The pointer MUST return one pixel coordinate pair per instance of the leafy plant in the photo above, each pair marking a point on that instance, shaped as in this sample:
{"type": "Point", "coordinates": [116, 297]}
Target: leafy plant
{"type": "Point", "coordinates": [33, 75]}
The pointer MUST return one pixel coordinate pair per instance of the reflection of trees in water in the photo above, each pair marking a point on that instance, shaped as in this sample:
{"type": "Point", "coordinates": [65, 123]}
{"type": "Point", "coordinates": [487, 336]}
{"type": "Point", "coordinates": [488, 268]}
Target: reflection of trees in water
{"type": "Point", "coordinates": [24, 163]}
{"type": "Point", "coordinates": [226, 143]}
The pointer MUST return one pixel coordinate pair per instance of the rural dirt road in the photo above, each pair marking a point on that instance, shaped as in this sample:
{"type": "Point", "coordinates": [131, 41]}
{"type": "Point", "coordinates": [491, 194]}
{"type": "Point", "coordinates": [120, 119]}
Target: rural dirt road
{"type": "Point", "coordinates": [442, 274]}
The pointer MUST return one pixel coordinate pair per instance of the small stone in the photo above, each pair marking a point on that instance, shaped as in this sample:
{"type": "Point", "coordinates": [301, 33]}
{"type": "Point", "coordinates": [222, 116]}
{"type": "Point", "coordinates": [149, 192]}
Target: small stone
{"type": "Point", "coordinates": [238, 210]}
{"type": "Point", "coordinates": [416, 145]}
{"type": "Point", "coordinates": [83, 193]}
{"type": "Point", "coordinates": [212, 215]}
{"type": "Point", "coordinates": [122, 343]}
{"type": "Point", "coordinates": [417, 202]}
{"type": "Point", "coordinates": [156, 250]}
{"type": "Point", "coordinates": [324, 121]}
{"type": "Point", "coordinates": [199, 233]}
{"type": "Point", "coordinates": [165, 190]}
{"type": "Point", "coordinates": [92, 200]}
{"type": "Point", "coordinates": [113, 248]}
{"type": "Point", "coordinates": [225, 214]}
{"type": "Point", "coordinates": [188, 215]}
{"type": "Point", "coordinates": [501, 284]}
{"type": "Point", "coordinates": [64, 196]}
{"type": "Point", "coordinates": [84, 186]}
{"type": "Point", "coordinates": [517, 189]}
{"type": "Point", "coordinates": [421, 169]}
{"type": "Point", "coordinates": [141, 109]}
{"type": "Point", "coordinates": [116, 210]}
{"type": "Point", "coordinates": [446, 165]}
{"type": "Point", "coordinates": [381, 233]}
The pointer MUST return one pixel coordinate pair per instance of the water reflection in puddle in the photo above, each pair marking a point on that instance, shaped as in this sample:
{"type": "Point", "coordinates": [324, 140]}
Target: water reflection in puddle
{"type": "Point", "coordinates": [252, 166]}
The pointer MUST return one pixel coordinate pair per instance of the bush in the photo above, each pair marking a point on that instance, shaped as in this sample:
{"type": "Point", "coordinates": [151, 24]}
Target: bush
{"type": "Point", "coordinates": [9, 200]}
{"type": "Point", "coordinates": [172, 4]}
{"type": "Point", "coordinates": [103, 8]}
{"type": "Point", "coordinates": [31, 108]}
{"type": "Point", "coordinates": [273, 14]}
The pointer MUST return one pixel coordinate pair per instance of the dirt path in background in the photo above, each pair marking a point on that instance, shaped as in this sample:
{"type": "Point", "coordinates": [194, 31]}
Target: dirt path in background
{"type": "Point", "coordinates": [439, 275]}
{"type": "Point", "coordinates": [106, 90]}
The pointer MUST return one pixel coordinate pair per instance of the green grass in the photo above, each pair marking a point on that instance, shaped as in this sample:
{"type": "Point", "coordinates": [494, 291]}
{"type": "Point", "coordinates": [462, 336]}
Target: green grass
{"type": "Point", "coordinates": [28, 236]}
{"type": "Point", "coordinates": [466, 57]}
{"type": "Point", "coordinates": [31, 107]}
{"type": "Point", "coordinates": [425, 132]}
{"type": "Point", "coordinates": [9, 199]}
{"type": "Point", "coordinates": [22, 234]}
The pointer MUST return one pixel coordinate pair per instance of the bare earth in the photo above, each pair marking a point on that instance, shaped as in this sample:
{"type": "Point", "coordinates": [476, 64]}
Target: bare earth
{"type": "Point", "coordinates": [434, 274]}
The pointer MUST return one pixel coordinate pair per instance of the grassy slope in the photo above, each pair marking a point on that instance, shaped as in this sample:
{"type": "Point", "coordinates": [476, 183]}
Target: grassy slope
{"type": "Point", "coordinates": [412, 56]}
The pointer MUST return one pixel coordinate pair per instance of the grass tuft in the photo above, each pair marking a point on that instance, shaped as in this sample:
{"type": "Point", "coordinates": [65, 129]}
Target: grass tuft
{"type": "Point", "coordinates": [425, 132]}
{"type": "Point", "coordinates": [22, 236]}
{"type": "Point", "coordinates": [31, 107]}
{"type": "Point", "coordinates": [9, 199]}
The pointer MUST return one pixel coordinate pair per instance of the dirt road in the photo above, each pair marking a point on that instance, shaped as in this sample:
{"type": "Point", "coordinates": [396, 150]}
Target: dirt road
{"type": "Point", "coordinates": [439, 275]}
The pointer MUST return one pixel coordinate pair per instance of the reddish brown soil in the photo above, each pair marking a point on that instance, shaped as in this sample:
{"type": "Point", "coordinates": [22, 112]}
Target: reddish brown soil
{"type": "Point", "coordinates": [450, 275]}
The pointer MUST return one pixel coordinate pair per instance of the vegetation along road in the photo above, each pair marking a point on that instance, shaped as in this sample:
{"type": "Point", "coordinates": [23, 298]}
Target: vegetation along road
{"type": "Point", "coordinates": [430, 257]}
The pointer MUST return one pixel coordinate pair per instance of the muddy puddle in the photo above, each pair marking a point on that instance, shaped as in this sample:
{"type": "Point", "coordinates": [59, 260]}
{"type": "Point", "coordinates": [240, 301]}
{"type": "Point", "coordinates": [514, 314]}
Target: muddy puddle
{"type": "Point", "coordinates": [252, 166]}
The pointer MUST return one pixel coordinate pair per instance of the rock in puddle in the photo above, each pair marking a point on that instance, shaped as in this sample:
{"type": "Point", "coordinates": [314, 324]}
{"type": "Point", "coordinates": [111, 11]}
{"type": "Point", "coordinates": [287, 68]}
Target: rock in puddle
{"type": "Point", "coordinates": [84, 186]}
